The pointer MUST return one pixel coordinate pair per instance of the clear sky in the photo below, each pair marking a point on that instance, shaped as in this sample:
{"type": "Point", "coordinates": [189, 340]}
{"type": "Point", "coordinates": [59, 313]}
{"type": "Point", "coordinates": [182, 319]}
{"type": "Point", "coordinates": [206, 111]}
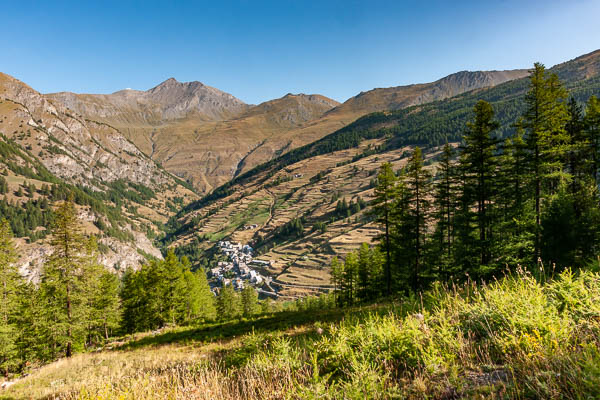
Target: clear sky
{"type": "Point", "coordinates": [260, 50]}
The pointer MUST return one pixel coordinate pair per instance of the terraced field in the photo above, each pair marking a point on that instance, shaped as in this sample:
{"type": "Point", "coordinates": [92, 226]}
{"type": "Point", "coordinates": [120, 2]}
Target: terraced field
{"type": "Point", "coordinates": [299, 266]}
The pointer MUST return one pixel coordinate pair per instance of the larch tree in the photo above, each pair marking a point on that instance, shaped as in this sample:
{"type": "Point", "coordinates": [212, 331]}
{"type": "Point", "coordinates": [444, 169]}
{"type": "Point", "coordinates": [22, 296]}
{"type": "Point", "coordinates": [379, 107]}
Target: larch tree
{"type": "Point", "coordinates": [228, 303]}
{"type": "Point", "coordinates": [337, 278]}
{"type": "Point", "coordinates": [385, 195]}
{"type": "Point", "coordinates": [544, 114]}
{"type": "Point", "coordinates": [445, 205]}
{"type": "Point", "coordinates": [9, 291]}
{"type": "Point", "coordinates": [412, 225]}
{"type": "Point", "coordinates": [592, 134]}
{"type": "Point", "coordinates": [479, 162]}
{"type": "Point", "coordinates": [63, 279]}
{"type": "Point", "coordinates": [249, 300]}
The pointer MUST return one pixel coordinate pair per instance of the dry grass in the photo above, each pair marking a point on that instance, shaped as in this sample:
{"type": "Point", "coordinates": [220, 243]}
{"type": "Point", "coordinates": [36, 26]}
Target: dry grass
{"type": "Point", "coordinates": [166, 372]}
{"type": "Point", "coordinates": [515, 338]}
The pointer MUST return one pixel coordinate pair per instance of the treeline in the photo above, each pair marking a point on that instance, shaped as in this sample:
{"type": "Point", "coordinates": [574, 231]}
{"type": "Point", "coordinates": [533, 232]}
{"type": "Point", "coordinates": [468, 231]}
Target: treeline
{"type": "Point", "coordinates": [165, 292]}
{"type": "Point", "coordinates": [27, 217]}
{"type": "Point", "coordinates": [530, 200]}
{"type": "Point", "coordinates": [77, 304]}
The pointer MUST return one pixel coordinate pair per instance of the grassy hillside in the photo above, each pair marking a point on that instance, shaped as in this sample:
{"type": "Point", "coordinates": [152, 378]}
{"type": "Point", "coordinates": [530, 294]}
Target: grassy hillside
{"type": "Point", "coordinates": [519, 337]}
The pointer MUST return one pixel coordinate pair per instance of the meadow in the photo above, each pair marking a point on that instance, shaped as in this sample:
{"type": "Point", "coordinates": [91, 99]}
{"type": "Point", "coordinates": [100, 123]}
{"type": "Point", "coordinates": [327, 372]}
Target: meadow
{"type": "Point", "coordinates": [518, 337]}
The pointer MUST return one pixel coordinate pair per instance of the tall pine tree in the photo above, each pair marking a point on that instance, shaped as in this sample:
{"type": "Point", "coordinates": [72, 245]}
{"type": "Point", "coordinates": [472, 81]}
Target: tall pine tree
{"type": "Point", "coordinates": [386, 193]}
{"type": "Point", "coordinates": [479, 164]}
{"type": "Point", "coordinates": [9, 291]}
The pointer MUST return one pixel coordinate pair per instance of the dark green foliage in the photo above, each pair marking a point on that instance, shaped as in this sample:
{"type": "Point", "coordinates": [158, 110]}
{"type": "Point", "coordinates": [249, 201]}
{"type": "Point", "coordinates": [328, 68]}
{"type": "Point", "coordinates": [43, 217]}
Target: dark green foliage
{"type": "Point", "coordinates": [320, 227]}
{"type": "Point", "coordinates": [479, 164]}
{"type": "Point", "coordinates": [410, 220]}
{"type": "Point", "coordinates": [249, 302]}
{"type": "Point", "coordinates": [165, 292]}
{"type": "Point", "coordinates": [496, 207]}
{"type": "Point", "coordinates": [3, 185]}
{"type": "Point", "coordinates": [26, 218]}
{"type": "Point", "coordinates": [386, 195]}
{"type": "Point", "coordinates": [294, 229]}
{"type": "Point", "coordinates": [445, 202]}
{"type": "Point", "coordinates": [229, 304]}
{"type": "Point", "coordinates": [358, 277]}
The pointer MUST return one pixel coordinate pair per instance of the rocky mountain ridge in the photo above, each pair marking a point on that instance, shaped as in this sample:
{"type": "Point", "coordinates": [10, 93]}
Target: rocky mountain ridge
{"type": "Point", "coordinates": [207, 136]}
{"type": "Point", "coordinates": [49, 150]}
{"type": "Point", "coordinates": [167, 101]}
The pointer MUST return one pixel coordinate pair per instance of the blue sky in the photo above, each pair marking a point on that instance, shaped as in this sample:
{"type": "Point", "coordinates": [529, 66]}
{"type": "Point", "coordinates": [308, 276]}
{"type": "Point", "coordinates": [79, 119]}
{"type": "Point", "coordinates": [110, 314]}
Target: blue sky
{"type": "Point", "coordinates": [259, 50]}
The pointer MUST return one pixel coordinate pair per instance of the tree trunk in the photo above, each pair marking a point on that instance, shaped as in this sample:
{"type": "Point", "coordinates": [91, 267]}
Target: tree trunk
{"type": "Point", "coordinates": [69, 351]}
{"type": "Point", "coordinates": [388, 271]}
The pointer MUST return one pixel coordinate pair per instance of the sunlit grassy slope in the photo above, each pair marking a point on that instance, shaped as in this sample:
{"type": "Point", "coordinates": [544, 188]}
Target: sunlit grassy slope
{"type": "Point", "coordinates": [514, 338]}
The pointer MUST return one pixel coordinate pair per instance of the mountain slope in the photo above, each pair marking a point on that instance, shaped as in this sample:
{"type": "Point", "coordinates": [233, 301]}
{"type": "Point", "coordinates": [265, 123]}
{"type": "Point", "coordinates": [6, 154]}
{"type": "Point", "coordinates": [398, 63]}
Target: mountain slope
{"type": "Point", "coordinates": [383, 99]}
{"type": "Point", "coordinates": [395, 98]}
{"type": "Point", "coordinates": [197, 132]}
{"type": "Point", "coordinates": [307, 182]}
{"type": "Point", "coordinates": [208, 137]}
{"type": "Point", "coordinates": [50, 153]}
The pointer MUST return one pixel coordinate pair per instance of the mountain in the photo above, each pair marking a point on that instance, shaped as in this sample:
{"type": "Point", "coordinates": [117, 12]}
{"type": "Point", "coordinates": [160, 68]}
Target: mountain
{"type": "Point", "coordinates": [49, 153]}
{"type": "Point", "coordinates": [108, 151]}
{"type": "Point", "coordinates": [381, 99]}
{"type": "Point", "coordinates": [208, 137]}
{"type": "Point", "coordinates": [197, 132]}
{"type": "Point", "coordinates": [168, 101]}
{"type": "Point", "coordinates": [307, 182]}
{"type": "Point", "coordinates": [396, 98]}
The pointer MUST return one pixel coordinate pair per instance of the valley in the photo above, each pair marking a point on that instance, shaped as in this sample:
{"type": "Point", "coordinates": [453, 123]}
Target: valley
{"type": "Point", "coordinates": [133, 159]}
{"type": "Point", "coordinates": [307, 183]}
{"type": "Point", "coordinates": [300, 200]}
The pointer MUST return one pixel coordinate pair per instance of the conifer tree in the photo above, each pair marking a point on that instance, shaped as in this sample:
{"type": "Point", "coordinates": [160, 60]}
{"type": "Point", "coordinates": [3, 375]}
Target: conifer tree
{"type": "Point", "coordinates": [366, 274]}
{"type": "Point", "coordinates": [63, 279]}
{"type": "Point", "coordinates": [517, 219]}
{"type": "Point", "coordinates": [108, 302]}
{"type": "Point", "coordinates": [249, 301]}
{"type": "Point", "coordinates": [199, 300]}
{"type": "Point", "coordinates": [445, 205]}
{"type": "Point", "coordinates": [349, 277]}
{"type": "Point", "coordinates": [228, 303]}
{"type": "Point", "coordinates": [34, 341]}
{"type": "Point", "coordinates": [386, 193]}
{"type": "Point", "coordinates": [133, 298]}
{"type": "Point", "coordinates": [411, 228]}
{"type": "Point", "coordinates": [9, 291]}
{"type": "Point", "coordinates": [576, 153]}
{"type": "Point", "coordinates": [543, 121]}
{"type": "Point", "coordinates": [337, 277]}
{"type": "Point", "coordinates": [3, 185]}
{"type": "Point", "coordinates": [102, 293]}
{"type": "Point", "coordinates": [172, 288]}
{"type": "Point", "coordinates": [479, 164]}
{"type": "Point", "coordinates": [592, 134]}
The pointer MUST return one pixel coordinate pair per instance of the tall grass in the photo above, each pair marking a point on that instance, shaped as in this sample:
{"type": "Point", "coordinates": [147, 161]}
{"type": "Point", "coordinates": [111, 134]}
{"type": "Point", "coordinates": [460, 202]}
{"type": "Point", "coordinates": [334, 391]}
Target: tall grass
{"type": "Point", "coordinates": [513, 338]}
